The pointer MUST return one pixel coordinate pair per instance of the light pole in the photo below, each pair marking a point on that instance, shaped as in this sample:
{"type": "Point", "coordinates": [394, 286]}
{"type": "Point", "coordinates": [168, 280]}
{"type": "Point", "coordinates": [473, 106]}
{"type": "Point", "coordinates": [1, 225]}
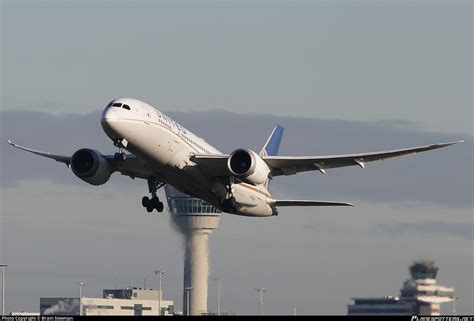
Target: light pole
{"type": "Point", "coordinates": [160, 274]}
{"type": "Point", "coordinates": [3, 266]}
{"type": "Point", "coordinates": [218, 280]}
{"type": "Point", "coordinates": [454, 303]}
{"type": "Point", "coordinates": [260, 292]}
{"type": "Point", "coordinates": [81, 285]}
{"type": "Point", "coordinates": [188, 290]}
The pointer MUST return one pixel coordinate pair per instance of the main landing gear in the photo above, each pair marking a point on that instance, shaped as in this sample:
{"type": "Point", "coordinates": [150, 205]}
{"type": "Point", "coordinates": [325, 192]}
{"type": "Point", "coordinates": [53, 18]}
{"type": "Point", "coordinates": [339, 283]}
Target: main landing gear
{"type": "Point", "coordinates": [120, 144]}
{"type": "Point", "coordinates": [229, 202]}
{"type": "Point", "coordinates": [154, 202]}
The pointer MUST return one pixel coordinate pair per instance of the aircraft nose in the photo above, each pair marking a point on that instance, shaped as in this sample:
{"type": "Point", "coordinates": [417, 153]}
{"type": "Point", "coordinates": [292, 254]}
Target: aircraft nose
{"type": "Point", "coordinates": [109, 114]}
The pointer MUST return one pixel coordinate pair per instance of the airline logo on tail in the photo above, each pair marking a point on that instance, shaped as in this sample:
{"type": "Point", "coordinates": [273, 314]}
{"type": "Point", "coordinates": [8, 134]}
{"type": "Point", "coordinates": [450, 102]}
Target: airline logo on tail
{"type": "Point", "coordinates": [272, 145]}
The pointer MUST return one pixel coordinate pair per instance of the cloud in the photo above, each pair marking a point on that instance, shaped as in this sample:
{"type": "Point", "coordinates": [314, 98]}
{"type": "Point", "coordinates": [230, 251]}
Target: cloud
{"type": "Point", "coordinates": [441, 177]}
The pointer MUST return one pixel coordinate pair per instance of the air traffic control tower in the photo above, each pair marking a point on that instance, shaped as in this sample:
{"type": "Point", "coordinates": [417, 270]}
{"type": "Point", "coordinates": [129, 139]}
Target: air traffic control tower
{"type": "Point", "coordinates": [195, 219]}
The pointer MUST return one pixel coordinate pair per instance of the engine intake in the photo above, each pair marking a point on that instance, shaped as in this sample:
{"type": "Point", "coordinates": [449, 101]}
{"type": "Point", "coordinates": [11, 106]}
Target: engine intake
{"type": "Point", "coordinates": [90, 166]}
{"type": "Point", "coordinates": [248, 165]}
{"type": "Point", "coordinates": [240, 162]}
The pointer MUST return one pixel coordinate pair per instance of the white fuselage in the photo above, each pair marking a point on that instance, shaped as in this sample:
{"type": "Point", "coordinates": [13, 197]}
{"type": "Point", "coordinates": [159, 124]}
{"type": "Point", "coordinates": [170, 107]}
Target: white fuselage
{"type": "Point", "coordinates": [166, 147]}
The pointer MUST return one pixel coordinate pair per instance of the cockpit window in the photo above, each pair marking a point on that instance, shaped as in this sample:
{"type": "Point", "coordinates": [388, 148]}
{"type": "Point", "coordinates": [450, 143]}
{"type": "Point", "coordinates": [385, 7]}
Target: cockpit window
{"type": "Point", "coordinates": [127, 107]}
{"type": "Point", "coordinates": [117, 105]}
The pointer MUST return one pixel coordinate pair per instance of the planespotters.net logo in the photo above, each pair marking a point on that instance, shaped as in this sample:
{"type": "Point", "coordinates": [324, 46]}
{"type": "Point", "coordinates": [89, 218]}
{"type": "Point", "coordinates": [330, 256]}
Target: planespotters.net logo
{"type": "Point", "coordinates": [416, 318]}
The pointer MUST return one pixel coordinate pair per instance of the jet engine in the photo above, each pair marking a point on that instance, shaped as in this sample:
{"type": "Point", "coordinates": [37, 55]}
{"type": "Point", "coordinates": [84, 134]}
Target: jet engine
{"type": "Point", "coordinates": [90, 166]}
{"type": "Point", "coordinates": [248, 166]}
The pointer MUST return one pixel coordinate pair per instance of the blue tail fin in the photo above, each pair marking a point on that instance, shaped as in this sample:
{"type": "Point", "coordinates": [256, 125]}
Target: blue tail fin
{"type": "Point", "coordinates": [273, 142]}
{"type": "Point", "coordinates": [272, 145]}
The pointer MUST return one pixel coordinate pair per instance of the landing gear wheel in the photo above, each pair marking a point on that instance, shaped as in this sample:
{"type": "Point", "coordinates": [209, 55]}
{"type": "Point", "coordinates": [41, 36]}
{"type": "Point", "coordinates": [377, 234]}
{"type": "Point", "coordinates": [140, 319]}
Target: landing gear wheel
{"type": "Point", "coordinates": [154, 202]}
{"type": "Point", "coordinates": [145, 201]}
{"type": "Point", "coordinates": [120, 156]}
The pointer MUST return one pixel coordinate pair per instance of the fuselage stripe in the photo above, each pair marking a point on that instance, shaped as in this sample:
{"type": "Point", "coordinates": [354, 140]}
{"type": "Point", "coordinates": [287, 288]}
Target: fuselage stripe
{"type": "Point", "coordinates": [253, 188]}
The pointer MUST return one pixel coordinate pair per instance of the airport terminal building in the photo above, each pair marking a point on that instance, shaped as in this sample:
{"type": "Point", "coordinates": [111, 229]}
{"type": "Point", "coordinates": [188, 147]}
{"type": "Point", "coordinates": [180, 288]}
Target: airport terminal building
{"type": "Point", "coordinates": [131, 301]}
{"type": "Point", "coordinates": [134, 301]}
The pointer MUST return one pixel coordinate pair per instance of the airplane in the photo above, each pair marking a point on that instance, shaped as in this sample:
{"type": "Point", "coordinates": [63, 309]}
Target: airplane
{"type": "Point", "coordinates": [162, 151]}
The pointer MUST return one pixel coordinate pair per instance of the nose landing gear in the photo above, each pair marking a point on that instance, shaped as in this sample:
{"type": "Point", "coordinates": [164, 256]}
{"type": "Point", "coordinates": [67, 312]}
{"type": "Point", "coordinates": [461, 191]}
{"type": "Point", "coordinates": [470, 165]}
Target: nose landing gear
{"type": "Point", "coordinates": [152, 203]}
{"type": "Point", "coordinates": [121, 144]}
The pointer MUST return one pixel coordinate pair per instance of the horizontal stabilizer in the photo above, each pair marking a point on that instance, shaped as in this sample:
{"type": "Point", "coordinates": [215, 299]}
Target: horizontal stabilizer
{"type": "Point", "coordinates": [307, 203]}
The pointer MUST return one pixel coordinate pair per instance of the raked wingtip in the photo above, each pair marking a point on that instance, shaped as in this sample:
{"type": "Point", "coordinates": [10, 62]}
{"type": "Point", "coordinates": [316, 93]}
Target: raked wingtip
{"type": "Point", "coordinates": [451, 143]}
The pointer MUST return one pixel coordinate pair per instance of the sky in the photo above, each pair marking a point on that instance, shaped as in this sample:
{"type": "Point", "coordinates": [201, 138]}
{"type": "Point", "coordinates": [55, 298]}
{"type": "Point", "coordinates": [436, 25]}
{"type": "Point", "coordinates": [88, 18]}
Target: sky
{"type": "Point", "coordinates": [343, 76]}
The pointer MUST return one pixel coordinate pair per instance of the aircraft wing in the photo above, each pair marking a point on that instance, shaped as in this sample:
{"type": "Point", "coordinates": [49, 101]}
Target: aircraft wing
{"type": "Point", "coordinates": [212, 164]}
{"type": "Point", "coordinates": [289, 165]}
{"type": "Point", "coordinates": [307, 203]}
{"type": "Point", "coordinates": [59, 158]}
{"type": "Point", "coordinates": [216, 165]}
{"type": "Point", "coordinates": [132, 166]}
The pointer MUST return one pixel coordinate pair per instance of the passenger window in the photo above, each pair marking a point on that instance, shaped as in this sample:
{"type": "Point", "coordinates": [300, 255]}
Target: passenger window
{"type": "Point", "coordinates": [127, 107]}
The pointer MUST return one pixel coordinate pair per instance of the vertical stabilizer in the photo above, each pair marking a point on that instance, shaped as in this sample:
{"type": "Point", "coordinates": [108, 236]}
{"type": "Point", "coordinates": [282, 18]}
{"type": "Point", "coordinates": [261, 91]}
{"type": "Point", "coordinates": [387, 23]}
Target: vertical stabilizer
{"type": "Point", "coordinates": [272, 145]}
{"type": "Point", "coordinates": [273, 142]}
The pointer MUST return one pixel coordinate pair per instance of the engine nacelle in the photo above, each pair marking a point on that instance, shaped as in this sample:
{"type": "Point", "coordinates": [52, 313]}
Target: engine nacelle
{"type": "Point", "coordinates": [90, 166]}
{"type": "Point", "coordinates": [248, 166]}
